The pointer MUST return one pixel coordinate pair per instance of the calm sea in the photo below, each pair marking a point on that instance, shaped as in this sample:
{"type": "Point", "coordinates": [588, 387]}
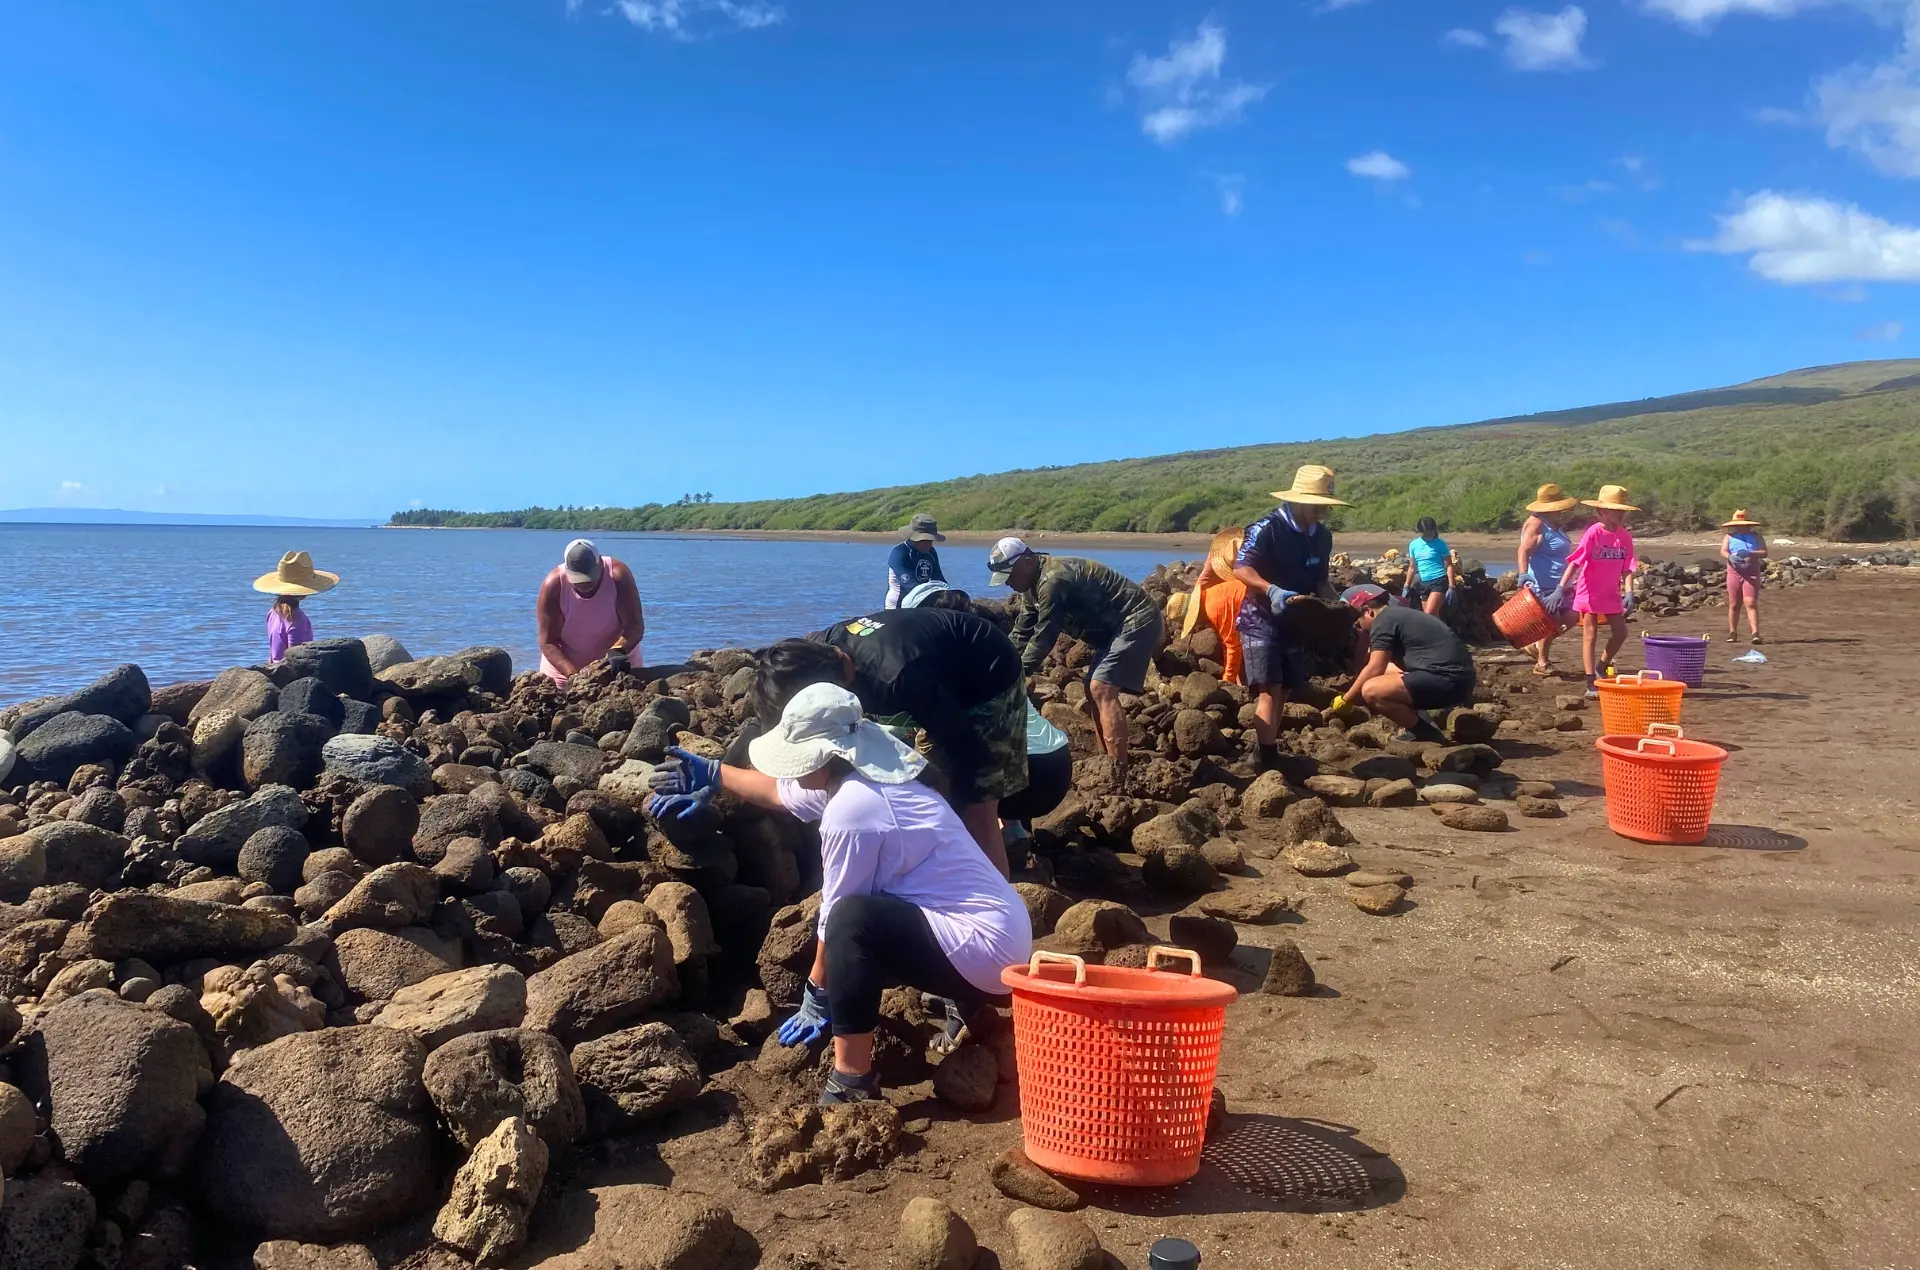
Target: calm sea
{"type": "Point", "coordinates": [76, 600]}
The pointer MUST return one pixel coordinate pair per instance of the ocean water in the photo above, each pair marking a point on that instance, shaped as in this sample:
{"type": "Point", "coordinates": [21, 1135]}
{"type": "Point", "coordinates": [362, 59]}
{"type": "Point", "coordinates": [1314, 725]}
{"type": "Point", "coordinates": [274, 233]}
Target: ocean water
{"type": "Point", "coordinates": [76, 600]}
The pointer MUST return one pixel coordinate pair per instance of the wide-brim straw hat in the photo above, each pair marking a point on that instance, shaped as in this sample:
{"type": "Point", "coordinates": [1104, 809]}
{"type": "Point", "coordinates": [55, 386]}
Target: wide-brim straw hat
{"type": "Point", "coordinates": [1313, 485]}
{"type": "Point", "coordinates": [1741, 520]}
{"type": "Point", "coordinates": [1551, 498]}
{"type": "Point", "coordinates": [824, 722]}
{"type": "Point", "coordinates": [1612, 498]}
{"type": "Point", "coordinates": [296, 575]}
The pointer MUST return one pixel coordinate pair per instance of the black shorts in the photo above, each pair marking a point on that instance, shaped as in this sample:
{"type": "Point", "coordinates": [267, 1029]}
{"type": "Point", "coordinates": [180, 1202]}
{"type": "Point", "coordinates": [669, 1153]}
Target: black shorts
{"type": "Point", "coordinates": [1275, 665]}
{"type": "Point", "coordinates": [1417, 593]}
{"type": "Point", "coordinates": [1430, 690]}
{"type": "Point", "coordinates": [1049, 777]}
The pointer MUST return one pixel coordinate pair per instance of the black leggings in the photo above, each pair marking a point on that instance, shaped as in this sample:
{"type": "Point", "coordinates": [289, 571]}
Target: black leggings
{"type": "Point", "coordinates": [1049, 777]}
{"type": "Point", "coordinates": [876, 942]}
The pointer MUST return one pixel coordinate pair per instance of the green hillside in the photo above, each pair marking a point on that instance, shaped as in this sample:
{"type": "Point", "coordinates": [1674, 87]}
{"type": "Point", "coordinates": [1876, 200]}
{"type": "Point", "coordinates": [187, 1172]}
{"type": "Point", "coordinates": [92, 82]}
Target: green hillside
{"type": "Point", "coordinates": [1832, 451]}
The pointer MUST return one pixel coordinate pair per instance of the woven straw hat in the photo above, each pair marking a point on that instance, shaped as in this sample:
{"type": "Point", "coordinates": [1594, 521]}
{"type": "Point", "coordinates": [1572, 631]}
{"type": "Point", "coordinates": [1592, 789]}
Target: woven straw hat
{"type": "Point", "coordinates": [1552, 498]}
{"type": "Point", "coordinates": [296, 575]}
{"type": "Point", "coordinates": [1313, 485]}
{"type": "Point", "coordinates": [1741, 520]}
{"type": "Point", "coordinates": [1612, 498]}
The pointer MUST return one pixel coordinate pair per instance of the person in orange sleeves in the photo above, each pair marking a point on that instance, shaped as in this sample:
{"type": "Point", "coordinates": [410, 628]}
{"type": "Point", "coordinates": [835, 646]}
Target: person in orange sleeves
{"type": "Point", "coordinates": [1217, 597]}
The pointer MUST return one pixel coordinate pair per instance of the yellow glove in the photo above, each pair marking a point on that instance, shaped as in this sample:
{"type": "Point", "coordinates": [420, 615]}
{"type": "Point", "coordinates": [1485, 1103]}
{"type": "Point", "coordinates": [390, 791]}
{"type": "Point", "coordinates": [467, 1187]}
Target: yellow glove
{"type": "Point", "coordinates": [1339, 704]}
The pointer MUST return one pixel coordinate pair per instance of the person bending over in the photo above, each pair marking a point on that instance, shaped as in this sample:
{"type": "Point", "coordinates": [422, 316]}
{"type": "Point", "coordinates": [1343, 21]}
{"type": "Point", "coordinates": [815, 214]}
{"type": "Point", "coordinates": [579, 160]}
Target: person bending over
{"type": "Point", "coordinates": [1414, 660]}
{"type": "Point", "coordinates": [955, 674]}
{"type": "Point", "coordinates": [588, 608]}
{"type": "Point", "coordinates": [1101, 608]}
{"type": "Point", "coordinates": [906, 898]}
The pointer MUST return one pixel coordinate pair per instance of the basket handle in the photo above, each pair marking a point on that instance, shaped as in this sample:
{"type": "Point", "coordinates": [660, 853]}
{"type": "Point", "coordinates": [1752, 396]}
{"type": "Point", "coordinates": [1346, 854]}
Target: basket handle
{"type": "Point", "coordinates": [1153, 958]}
{"type": "Point", "coordinates": [1640, 747]}
{"type": "Point", "coordinates": [1668, 727]}
{"type": "Point", "coordinates": [1043, 958]}
{"type": "Point", "coordinates": [1649, 674]}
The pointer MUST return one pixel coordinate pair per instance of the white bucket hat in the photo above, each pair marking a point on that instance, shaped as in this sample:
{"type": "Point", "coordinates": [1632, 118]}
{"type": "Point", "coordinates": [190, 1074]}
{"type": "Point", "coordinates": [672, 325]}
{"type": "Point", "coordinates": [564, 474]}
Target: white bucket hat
{"type": "Point", "coordinates": [922, 593]}
{"type": "Point", "coordinates": [825, 721]}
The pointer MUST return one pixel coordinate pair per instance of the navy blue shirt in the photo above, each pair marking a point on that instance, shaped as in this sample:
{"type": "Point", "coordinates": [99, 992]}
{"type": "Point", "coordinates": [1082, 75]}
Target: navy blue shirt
{"type": "Point", "coordinates": [907, 569]}
{"type": "Point", "coordinates": [1286, 556]}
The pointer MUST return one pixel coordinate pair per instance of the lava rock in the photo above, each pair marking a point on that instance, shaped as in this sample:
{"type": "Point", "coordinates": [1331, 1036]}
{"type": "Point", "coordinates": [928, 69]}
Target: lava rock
{"type": "Point", "coordinates": [636, 1228]}
{"type": "Point", "coordinates": [436, 1010]}
{"type": "Point", "coordinates": [1257, 907]}
{"type": "Point", "coordinates": [379, 825]}
{"type": "Point", "coordinates": [163, 930]}
{"type": "Point", "coordinates": [1443, 793]}
{"type": "Point", "coordinates": [216, 838]}
{"type": "Point", "coordinates": [632, 1076]}
{"type": "Point", "coordinates": [798, 1145]}
{"type": "Point", "coordinates": [310, 696]}
{"type": "Point", "coordinates": [1289, 974]}
{"type": "Point", "coordinates": [593, 992]}
{"type": "Point", "coordinates": [1093, 926]}
{"type": "Point", "coordinates": [1311, 820]}
{"type": "Point", "coordinates": [1044, 906]}
{"type": "Point", "coordinates": [494, 1193]}
{"type": "Point", "coordinates": [1537, 808]}
{"type": "Point", "coordinates": [933, 1237]}
{"type": "Point", "coordinates": [478, 1080]}
{"type": "Point", "coordinates": [967, 1078]}
{"type": "Point", "coordinates": [1380, 899]}
{"type": "Point", "coordinates": [69, 741]}
{"type": "Point", "coordinates": [392, 896]}
{"type": "Point", "coordinates": [44, 1223]}
{"type": "Point", "coordinates": [1340, 791]}
{"type": "Point", "coordinates": [384, 652]}
{"type": "Point", "coordinates": [275, 856]}
{"type": "Point", "coordinates": [1213, 938]}
{"type": "Point", "coordinates": [377, 760]}
{"type": "Point", "coordinates": [1017, 1177]}
{"type": "Point", "coordinates": [1268, 796]}
{"type": "Point", "coordinates": [1053, 1241]}
{"type": "Point", "coordinates": [242, 692]}
{"type": "Point", "coordinates": [1478, 819]}
{"type": "Point", "coordinates": [375, 964]}
{"type": "Point", "coordinates": [340, 664]}
{"type": "Point", "coordinates": [78, 854]}
{"type": "Point", "coordinates": [1179, 870]}
{"type": "Point", "coordinates": [1317, 859]}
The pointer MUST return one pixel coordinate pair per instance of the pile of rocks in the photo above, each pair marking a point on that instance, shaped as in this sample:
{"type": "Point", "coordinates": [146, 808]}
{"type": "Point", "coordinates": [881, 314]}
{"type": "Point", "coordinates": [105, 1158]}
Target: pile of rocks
{"type": "Point", "coordinates": [362, 943]}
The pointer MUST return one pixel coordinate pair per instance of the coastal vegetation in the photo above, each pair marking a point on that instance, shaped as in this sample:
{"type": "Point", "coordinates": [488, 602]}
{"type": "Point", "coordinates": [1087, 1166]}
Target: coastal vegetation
{"type": "Point", "coordinates": [1832, 451]}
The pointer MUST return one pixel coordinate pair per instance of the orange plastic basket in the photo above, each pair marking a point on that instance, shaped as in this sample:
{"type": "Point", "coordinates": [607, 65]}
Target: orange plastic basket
{"type": "Point", "coordinates": [1660, 788]}
{"type": "Point", "coordinates": [1524, 620]}
{"type": "Point", "coordinates": [1629, 703]}
{"type": "Point", "coordinates": [1116, 1066]}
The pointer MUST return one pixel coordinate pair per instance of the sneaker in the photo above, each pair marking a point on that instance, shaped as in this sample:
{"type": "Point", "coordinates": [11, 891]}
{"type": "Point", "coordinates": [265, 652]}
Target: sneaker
{"type": "Point", "coordinates": [1731, 637]}
{"type": "Point", "coordinates": [1756, 641]}
{"type": "Point", "coordinates": [843, 1088]}
{"type": "Point", "coordinates": [1593, 691]}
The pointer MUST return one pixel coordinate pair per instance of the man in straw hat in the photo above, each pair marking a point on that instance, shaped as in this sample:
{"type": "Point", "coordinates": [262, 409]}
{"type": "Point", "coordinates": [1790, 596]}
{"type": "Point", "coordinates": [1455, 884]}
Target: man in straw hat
{"type": "Point", "coordinates": [293, 579]}
{"type": "Point", "coordinates": [1744, 548]}
{"type": "Point", "coordinates": [914, 562]}
{"type": "Point", "coordinates": [1599, 576]}
{"type": "Point", "coordinates": [1544, 547]}
{"type": "Point", "coordinates": [589, 608]}
{"type": "Point", "coordinates": [1284, 559]}
{"type": "Point", "coordinates": [1097, 606]}
{"type": "Point", "coordinates": [906, 898]}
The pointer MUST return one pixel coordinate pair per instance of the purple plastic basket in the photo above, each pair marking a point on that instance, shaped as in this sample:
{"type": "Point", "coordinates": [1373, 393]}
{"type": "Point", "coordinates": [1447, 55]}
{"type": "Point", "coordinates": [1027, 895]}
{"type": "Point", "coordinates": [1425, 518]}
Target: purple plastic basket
{"type": "Point", "coordinates": [1682, 658]}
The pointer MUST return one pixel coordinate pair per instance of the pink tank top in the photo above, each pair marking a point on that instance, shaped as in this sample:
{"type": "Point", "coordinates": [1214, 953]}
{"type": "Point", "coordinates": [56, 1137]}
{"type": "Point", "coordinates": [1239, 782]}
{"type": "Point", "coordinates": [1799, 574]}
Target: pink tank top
{"type": "Point", "coordinates": [589, 625]}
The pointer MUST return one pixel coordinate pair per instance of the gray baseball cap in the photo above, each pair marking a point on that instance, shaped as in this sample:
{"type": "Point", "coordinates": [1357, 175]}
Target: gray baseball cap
{"type": "Point", "coordinates": [582, 562]}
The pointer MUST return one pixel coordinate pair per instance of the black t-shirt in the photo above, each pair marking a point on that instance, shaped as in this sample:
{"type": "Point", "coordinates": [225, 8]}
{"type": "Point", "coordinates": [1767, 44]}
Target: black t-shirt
{"type": "Point", "coordinates": [925, 662]}
{"type": "Point", "coordinates": [1419, 641]}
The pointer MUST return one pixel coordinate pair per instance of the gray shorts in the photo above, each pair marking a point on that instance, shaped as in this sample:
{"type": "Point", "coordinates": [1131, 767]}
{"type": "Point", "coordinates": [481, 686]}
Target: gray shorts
{"type": "Point", "coordinates": [1124, 662]}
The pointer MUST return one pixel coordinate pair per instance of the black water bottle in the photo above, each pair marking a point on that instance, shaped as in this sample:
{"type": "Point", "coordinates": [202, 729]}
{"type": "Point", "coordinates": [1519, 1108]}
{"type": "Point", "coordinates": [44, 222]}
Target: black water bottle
{"type": "Point", "coordinates": [1173, 1254]}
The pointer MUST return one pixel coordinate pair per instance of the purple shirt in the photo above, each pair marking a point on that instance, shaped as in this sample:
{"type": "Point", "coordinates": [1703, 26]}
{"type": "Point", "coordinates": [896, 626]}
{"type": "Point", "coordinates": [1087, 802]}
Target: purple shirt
{"type": "Point", "coordinates": [282, 634]}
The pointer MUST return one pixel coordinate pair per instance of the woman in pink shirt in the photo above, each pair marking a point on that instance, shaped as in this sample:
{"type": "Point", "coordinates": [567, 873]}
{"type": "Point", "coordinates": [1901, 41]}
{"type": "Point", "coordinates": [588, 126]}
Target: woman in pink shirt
{"type": "Point", "coordinates": [293, 579]}
{"type": "Point", "coordinates": [1600, 577]}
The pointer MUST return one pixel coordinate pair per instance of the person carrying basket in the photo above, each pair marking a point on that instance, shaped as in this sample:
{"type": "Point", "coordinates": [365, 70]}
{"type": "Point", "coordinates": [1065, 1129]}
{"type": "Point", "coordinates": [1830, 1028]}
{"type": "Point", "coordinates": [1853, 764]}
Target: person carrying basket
{"type": "Point", "coordinates": [1600, 577]}
{"type": "Point", "coordinates": [1745, 550]}
{"type": "Point", "coordinates": [1544, 547]}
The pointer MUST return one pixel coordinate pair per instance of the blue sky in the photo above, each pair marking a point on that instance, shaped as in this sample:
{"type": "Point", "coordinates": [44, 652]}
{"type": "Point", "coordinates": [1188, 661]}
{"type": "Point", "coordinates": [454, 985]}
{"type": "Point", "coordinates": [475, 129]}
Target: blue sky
{"type": "Point", "coordinates": [340, 259]}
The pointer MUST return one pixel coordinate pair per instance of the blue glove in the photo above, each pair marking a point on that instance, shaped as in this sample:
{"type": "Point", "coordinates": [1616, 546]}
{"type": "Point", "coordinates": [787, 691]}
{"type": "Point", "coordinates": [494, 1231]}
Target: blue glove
{"type": "Point", "coordinates": [1453, 597]}
{"type": "Point", "coordinates": [679, 806]}
{"type": "Point", "coordinates": [685, 773]}
{"type": "Point", "coordinates": [1555, 601]}
{"type": "Point", "coordinates": [811, 1023]}
{"type": "Point", "coordinates": [1277, 598]}
{"type": "Point", "coordinates": [1628, 604]}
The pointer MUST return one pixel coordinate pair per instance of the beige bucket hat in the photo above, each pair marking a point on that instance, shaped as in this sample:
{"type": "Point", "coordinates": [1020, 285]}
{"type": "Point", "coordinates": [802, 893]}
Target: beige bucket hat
{"type": "Point", "coordinates": [295, 575]}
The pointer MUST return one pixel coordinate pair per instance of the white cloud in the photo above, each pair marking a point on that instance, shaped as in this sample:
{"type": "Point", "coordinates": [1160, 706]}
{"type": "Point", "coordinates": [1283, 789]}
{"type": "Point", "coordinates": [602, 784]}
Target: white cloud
{"type": "Point", "coordinates": [688, 19]}
{"type": "Point", "coordinates": [1232, 188]}
{"type": "Point", "coordinates": [1334, 6]}
{"type": "Point", "coordinates": [1379, 166]}
{"type": "Point", "coordinates": [1582, 192]}
{"type": "Point", "coordinates": [1184, 92]}
{"type": "Point", "coordinates": [1875, 110]}
{"type": "Point", "coordinates": [1544, 41]}
{"type": "Point", "coordinates": [71, 487]}
{"type": "Point", "coordinates": [1704, 13]}
{"type": "Point", "coordinates": [1801, 240]}
{"type": "Point", "coordinates": [1464, 38]}
{"type": "Point", "coordinates": [1881, 333]}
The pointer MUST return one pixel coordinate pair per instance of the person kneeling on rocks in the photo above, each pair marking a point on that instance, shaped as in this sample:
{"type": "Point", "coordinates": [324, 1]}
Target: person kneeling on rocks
{"type": "Point", "coordinates": [906, 897]}
{"type": "Point", "coordinates": [1414, 660]}
{"type": "Point", "coordinates": [588, 608]}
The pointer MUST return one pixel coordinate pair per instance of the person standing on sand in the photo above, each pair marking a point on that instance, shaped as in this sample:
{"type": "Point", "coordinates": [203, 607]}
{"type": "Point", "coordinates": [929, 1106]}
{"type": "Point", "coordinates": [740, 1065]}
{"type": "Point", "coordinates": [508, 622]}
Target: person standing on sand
{"type": "Point", "coordinates": [914, 561]}
{"type": "Point", "coordinates": [1544, 547]}
{"type": "Point", "coordinates": [1600, 574]}
{"type": "Point", "coordinates": [1430, 574]}
{"type": "Point", "coordinates": [1745, 550]}
{"type": "Point", "coordinates": [1285, 558]}
{"type": "Point", "coordinates": [1097, 606]}
{"type": "Point", "coordinates": [588, 608]}
{"type": "Point", "coordinates": [292, 579]}
{"type": "Point", "coordinates": [1216, 599]}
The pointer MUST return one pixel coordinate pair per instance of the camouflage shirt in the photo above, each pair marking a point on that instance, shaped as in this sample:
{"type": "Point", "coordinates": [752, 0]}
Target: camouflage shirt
{"type": "Point", "coordinates": [1084, 599]}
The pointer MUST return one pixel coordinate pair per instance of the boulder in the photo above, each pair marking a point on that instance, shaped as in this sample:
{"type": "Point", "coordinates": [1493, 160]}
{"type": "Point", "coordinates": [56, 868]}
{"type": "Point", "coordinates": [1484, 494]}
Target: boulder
{"type": "Point", "coordinates": [1289, 974]}
{"type": "Point", "coordinates": [216, 838]}
{"type": "Point", "coordinates": [683, 914]}
{"type": "Point", "coordinates": [1526, 804]}
{"type": "Point", "coordinates": [554, 759]}
{"type": "Point", "coordinates": [276, 857]}
{"type": "Point", "coordinates": [1053, 1241]}
{"type": "Point", "coordinates": [933, 1237]}
{"type": "Point", "coordinates": [495, 665]}
{"type": "Point", "coordinates": [1213, 938]}
{"type": "Point", "coordinates": [214, 747]}
{"type": "Point", "coordinates": [786, 955]}
{"type": "Point", "coordinates": [967, 1078]}
{"type": "Point", "coordinates": [340, 664]}
{"type": "Point", "coordinates": [1379, 899]}
{"type": "Point", "coordinates": [310, 696]}
{"type": "Point", "coordinates": [321, 1136]}
{"type": "Point", "coordinates": [1179, 870]}
{"type": "Point", "coordinates": [1446, 792]}
{"type": "Point", "coordinates": [375, 964]}
{"type": "Point", "coordinates": [1477, 819]}
{"type": "Point", "coordinates": [23, 866]}
{"type": "Point", "coordinates": [1098, 925]}
{"type": "Point", "coordinates": [1316, 859]}
{"type": "Point", "coordinates": [795, 1146]}
{"type": "Point", "coordinates": [122, 1084]}
{"type": "Point", "coordinates": [635, 1228]}
{"type": "Point", "coordinates": [466, 868]}
{"type": "Point", "coordinates": [122, 694]}
{"type": "Point", "coordinates": [430, 677]}
{"type": "Point", "coordinates": [242, 692]}
{"type": "Point", "coordinates": [1254, 907]}
{"type": "Point", "coordinates": [1311, 820]}
{"type": "Point", "coordinates": [1470, 727]}
{"type": "Point", "coordinates": [1481, 760]}
{"type": "Point", "coordinates": [1393, 793]}
{"type": "Point", "coordinates": [377, 760]}
{"type": "Point", "coordinates": [1340, 791]}
{"type": "Point", "coordinates": [632, 1076]}
{"type": "Point", "coordinates": [452, 816]}
{"type": "Point", "coordinates": [478, 1080]}
{"type": "Point", "coordinates": [1267, 797]}
{"type": "Point", "coordinates": [1017, 1177]}
{"type": "Point", "coordinates": [66, 742]}
{"type": "Point", "coordinates": [384, 652]}
{"type": "Point", "coordinates": [1188, 826]}
{"type": "Point", "coordinates": [19, 1124]}
{"type": "Point", "coordinates": [593, 992]}
{"type": "Point", "coordinates": [494, 1193]}
{"type": "Point", "coordinates": [176, 701]}
{"type": "Point", "coordinates": [379, 825]}
{"type": "Point", "coordinates": [478, 999]}
{"type": "Point", "coordinates": [162, 929]}
{"type": "Point", "coordinates": [79, 854]}
{"type": "Point", "coordinates": [392, 896]}
{"type": "Point", "coordinates": [291, 1254]}
{"type": "Point", "coordinates": [44, 1223]}
{"type": "Point", "coordinates": [283, 749]}
{"type": "Point", "coordinates": [1196, 734]}
{"type": "Point", "coordinates": [252, 1006]}
{"type": "Point", "coordinates": [1044, 906]}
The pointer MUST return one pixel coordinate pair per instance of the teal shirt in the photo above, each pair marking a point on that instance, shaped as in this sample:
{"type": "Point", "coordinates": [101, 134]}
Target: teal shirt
{"type": "Point", "coordinates": [1430, 558]}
